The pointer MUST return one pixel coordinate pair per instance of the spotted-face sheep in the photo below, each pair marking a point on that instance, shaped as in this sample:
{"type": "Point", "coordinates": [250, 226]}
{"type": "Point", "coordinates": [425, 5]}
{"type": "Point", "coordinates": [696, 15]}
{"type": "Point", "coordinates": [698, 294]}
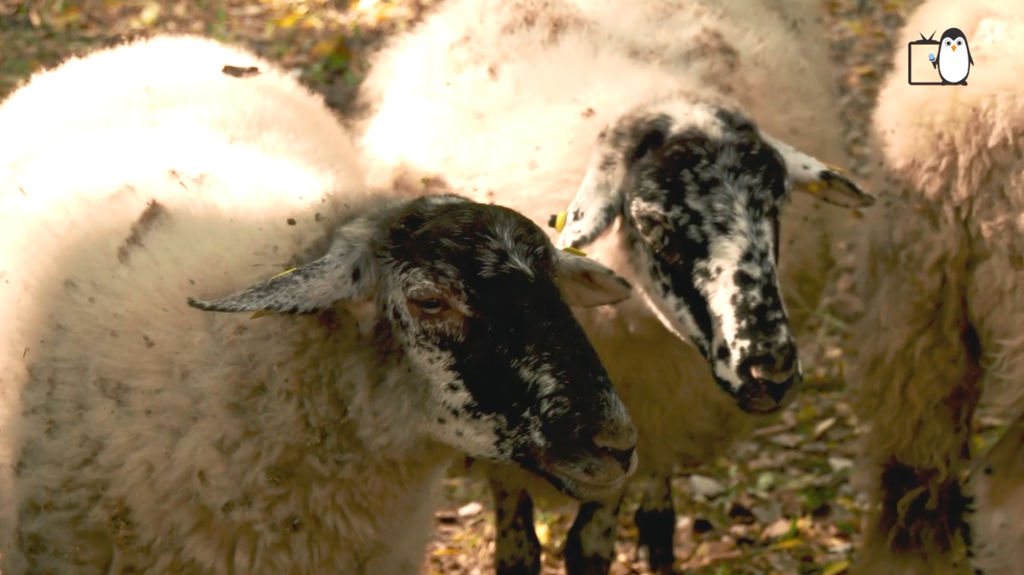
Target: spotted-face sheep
{"type": "Point", "coordinates": [645, 120]}
{"type": "Point", "coordinates": [142, 434]}
{"type": "Point", "coordinates": [943, 292]}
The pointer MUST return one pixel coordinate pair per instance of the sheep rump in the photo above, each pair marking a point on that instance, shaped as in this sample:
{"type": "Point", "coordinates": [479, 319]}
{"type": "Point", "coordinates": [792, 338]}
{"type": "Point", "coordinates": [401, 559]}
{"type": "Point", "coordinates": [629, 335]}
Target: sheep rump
{"type": "Point", "coordinates": [503, 101]}
{"type": "Point", "coordinates": [939, 278]}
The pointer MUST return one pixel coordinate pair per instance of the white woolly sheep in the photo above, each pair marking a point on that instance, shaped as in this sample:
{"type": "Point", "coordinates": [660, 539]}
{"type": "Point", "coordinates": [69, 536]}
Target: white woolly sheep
{"type": "Point", "coordinates": [646, 111]}
{"type": "Point", "coordinates": [143, 435]}
{"type": "Point", "coordinates": [943, 293]}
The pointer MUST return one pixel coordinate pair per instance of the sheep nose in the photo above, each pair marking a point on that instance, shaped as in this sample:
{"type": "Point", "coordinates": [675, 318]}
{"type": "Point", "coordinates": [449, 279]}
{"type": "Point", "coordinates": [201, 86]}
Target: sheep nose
{"type": "Point", "coordinates": [621, 439]}
{"type": "Point", "coordinates": [774, 372]}
{"type": "Point", "coordinates": [626, 457]}
{"type": "Point", "coordinates": [620, 443]}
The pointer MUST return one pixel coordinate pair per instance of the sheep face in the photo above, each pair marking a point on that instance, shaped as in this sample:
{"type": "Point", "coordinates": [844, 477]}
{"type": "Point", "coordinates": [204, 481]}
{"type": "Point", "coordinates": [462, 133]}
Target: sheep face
{"type": "Point", "coordinates": [700, 191]}
{"type": "Point", "coordinates": [474, 300]}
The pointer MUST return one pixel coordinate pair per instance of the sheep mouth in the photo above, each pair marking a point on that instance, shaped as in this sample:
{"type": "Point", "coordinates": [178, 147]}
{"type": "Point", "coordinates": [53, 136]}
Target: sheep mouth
{"type": "Point", "coordinates": [760, 397]}
{"type": "Point", "coordinates": [596, 478]}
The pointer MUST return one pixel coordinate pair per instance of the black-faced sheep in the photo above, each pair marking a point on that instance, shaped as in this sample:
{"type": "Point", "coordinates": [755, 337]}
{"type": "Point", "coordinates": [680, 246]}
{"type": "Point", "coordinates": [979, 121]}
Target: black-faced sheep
{"type": "Point", "coordinates": [141, 434]}
{"type": "Point", "coordinates": [942, 281]}
{"type": "Point", "coordinates": [644, 120]}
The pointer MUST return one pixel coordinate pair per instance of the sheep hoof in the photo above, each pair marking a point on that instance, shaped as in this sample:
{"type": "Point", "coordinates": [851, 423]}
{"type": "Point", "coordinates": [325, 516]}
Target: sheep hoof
{"type": "Point", "coordinates": [657, 531]}
{"type": "Point", "coordinates": [576, 563]}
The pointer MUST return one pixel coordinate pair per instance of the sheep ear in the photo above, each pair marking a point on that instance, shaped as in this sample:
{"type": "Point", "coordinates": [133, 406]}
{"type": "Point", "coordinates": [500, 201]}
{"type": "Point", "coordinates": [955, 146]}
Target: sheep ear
{"type": "Point", "coordinates": [812, 176]}
{"type": "Point", "coordinates": [346, 272]}
{"type": "Point", "coordinates": [586, 283]}
{"type": "Point", "coordinates": [596, 205]}
{"type": "Point", "coordinates": [599, 200]}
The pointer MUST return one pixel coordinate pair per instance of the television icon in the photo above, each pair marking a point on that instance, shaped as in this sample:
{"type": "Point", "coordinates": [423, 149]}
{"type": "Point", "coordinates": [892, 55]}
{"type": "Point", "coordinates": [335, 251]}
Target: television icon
{"type": "Point", "coordinates": [921, 67]}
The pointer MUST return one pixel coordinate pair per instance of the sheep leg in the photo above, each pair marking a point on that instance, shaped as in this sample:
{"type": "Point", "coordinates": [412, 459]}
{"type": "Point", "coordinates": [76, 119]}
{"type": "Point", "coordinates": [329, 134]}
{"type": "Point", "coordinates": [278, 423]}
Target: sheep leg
{"type": "Point", "coordinates": [922, 505]}
{"type": "Point", "coordinates": [516, 548]}
{"type": "Point", "coordinates": [590, 543]}
{"type": "Point", "coordinates": [918, 377]}
{"type": "Point", "coordinates": [656, 522]}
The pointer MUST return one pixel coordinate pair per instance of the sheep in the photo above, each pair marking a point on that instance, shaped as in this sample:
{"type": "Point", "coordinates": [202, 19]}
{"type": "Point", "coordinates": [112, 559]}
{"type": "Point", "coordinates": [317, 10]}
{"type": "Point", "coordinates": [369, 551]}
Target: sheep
{"type": "Point", "coordinates": [939, 275]}
{"type": "Point", "coordinates": [525, 102]}
{"type": "Point", "coordinates": [149, 427]}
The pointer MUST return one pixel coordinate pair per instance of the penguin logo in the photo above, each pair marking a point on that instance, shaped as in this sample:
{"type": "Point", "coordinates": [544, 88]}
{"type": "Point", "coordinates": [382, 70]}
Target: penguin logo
{"type": "Point", "coordinates": [950, 59]}
{"type": "Point", "coordinates": [954, 58]}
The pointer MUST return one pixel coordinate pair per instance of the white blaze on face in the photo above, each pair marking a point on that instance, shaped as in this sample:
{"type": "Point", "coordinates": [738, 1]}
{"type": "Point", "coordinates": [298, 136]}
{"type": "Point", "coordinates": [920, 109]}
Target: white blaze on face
{"type": "Point", "coordinates": [953, 59]}
{"type": "Point", "coordinates": [725, 254]}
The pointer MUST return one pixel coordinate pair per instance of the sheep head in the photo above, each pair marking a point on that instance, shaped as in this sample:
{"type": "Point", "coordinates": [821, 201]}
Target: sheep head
{"type": "Point", "coordinates": [473, 302]}
{"type": "Point", "coordinates": [700, 189]}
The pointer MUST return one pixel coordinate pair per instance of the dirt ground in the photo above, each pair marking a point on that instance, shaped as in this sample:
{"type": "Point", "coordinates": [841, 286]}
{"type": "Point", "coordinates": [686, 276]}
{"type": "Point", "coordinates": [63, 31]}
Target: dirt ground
{"type": "Point", "coordinates": [781, 504]}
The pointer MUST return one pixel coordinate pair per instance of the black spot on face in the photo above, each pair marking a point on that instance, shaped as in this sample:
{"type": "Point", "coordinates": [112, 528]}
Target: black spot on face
{"type": "Point", "coordinates": [515, 324]}
{"type": "Point", "coordinates": [744, 280]}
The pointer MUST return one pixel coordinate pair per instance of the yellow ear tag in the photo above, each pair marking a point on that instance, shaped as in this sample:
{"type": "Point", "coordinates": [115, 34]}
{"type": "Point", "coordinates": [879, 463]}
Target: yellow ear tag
{"type": "Point", "coordinates": [264, 312]}
{"type": "Point", "coordinates": [813, 188]}
{"type": "Point", "coordinates": [574, 251]}
{"type": "Point", "coordinates": [560, 221]}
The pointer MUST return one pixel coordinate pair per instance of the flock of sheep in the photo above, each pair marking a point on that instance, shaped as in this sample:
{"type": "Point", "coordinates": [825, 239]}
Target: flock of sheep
{"type": "Point", "coordinates": [577, 242]}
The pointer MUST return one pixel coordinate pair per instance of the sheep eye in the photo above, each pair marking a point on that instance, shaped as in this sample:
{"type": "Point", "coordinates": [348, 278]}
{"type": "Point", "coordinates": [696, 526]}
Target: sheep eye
{"type": "Point", "coordinates": [431, 306]}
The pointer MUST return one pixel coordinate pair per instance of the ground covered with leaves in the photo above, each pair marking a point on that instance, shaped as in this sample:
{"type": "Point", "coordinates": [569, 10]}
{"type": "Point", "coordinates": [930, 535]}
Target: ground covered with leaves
{"type": "Point", "coordinates": [780, 504]}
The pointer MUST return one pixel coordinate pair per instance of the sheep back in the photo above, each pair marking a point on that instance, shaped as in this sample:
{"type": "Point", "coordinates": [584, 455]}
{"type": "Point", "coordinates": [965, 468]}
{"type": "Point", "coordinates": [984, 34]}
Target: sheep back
{"type": "Point", "coordinates": [955, 171]}
{"type": "Point", "coordinates": [504, 100]}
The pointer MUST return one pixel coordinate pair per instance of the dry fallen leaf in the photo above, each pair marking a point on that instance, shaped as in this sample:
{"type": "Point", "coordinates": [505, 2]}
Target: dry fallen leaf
{"type": "Point", "coordinates": [470, 509]}
{"type": "Point", "coordinates": [446, 551]}
{"type": "Point", "coordinates": [823, 426]}
{"type": "Point", "coordinates": [706, 486]}
{"type": "Point", "coordinates": [543, 534]}
{"type": "Point", "coordinates": [787, 544]}
{"type": "Point", "coordinates": [835, 568]}
{"type": "Point", "coordinates": [777, 529]}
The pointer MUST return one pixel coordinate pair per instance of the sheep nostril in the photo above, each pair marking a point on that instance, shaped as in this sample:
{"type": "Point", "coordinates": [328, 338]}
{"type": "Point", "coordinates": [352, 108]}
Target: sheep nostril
{"type": "Point", "coordinates": [623, 456]}
{"type": "Point", "coordinates": [770, 374]}
{"type": "Point", "coordinates": [778, 368]}
{"type": "Point", "coordinates": [777, 392]}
